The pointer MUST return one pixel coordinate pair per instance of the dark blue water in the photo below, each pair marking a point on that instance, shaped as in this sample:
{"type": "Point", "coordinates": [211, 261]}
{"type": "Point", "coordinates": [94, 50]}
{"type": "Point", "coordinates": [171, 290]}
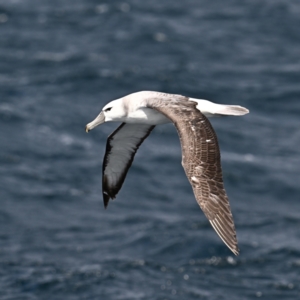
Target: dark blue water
{"type": "Point", "coordinates": [60, 62]}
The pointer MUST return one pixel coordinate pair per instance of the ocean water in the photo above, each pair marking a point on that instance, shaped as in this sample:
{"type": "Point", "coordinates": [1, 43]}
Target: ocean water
{"type": "Point", "coordinates": [60, 62]}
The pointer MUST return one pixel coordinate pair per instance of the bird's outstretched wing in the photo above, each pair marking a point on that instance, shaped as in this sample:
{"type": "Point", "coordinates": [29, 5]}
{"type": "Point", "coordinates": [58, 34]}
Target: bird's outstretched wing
{"type": "Point", "coordinates": [121, 147]}
{"type": "Point", "coordinates": [202, 164]}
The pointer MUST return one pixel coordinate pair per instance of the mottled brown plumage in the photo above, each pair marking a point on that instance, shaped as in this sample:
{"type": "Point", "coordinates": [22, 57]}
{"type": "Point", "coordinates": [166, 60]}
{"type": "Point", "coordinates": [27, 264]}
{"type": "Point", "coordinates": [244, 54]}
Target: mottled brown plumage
{"type": "Point", "coordinates": [202, 165]}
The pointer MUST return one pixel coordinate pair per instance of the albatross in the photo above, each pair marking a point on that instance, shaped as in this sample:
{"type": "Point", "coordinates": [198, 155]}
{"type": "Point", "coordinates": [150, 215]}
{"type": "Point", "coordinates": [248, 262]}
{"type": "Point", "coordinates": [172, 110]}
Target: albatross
{"type": "Point", "coordinates": [139, 113]}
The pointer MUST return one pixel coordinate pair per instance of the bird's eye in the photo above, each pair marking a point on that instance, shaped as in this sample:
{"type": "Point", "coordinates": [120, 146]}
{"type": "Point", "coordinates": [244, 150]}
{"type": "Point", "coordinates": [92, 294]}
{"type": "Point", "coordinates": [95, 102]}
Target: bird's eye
{"type": "Point", "coordinates": [108, 109]}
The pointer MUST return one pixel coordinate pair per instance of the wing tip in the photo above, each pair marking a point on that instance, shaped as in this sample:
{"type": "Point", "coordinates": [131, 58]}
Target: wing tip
{"type": "Point", "coordinates": [233, 244]}
{"type": "Point", "coordinates": [235, 250]}
{"type": "Point", "coordinates": [106, 199]}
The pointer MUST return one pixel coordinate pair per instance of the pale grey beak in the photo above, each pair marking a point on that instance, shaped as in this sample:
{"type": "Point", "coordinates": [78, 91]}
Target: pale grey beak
{"type": "Point", "coordinates": [99, 120]}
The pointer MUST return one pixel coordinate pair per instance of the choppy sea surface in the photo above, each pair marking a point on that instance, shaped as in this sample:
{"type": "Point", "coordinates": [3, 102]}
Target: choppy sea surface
{"type": "Point", "coordinates": [60, 62]}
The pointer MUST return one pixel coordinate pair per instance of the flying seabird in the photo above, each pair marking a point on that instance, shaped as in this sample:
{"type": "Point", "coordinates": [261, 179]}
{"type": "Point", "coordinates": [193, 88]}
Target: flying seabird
{"type": "Point", "coordinates": [139, 113]}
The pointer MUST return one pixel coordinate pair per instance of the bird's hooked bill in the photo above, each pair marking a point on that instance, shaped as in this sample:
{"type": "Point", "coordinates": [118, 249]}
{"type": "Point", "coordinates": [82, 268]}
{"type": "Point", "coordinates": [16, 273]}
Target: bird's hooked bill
{"type": "Point", "coordinates": [99, 120]}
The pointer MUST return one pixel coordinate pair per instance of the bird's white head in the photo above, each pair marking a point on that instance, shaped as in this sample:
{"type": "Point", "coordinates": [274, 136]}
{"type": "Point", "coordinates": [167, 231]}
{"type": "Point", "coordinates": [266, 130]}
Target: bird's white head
{"type": "Point", "coordinates": [113, 111]}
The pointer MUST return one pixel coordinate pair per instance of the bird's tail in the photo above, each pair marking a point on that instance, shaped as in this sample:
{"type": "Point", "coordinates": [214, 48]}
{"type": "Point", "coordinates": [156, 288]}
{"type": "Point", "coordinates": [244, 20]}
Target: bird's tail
{"type": "Point", "coordinates": [211, 109]}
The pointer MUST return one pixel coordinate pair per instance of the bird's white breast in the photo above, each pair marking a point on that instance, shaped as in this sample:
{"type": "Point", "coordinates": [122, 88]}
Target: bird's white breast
{"type": "Point", "coordinates": [146, 115]}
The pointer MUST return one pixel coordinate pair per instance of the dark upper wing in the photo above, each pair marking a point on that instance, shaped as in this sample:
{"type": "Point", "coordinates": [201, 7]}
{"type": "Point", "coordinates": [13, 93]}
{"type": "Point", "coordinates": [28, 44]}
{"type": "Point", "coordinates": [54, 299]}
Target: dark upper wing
{"type": "Point", "coordinates": [121, 147]}
{"type": "Point", "coordinates": [201, 162]}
